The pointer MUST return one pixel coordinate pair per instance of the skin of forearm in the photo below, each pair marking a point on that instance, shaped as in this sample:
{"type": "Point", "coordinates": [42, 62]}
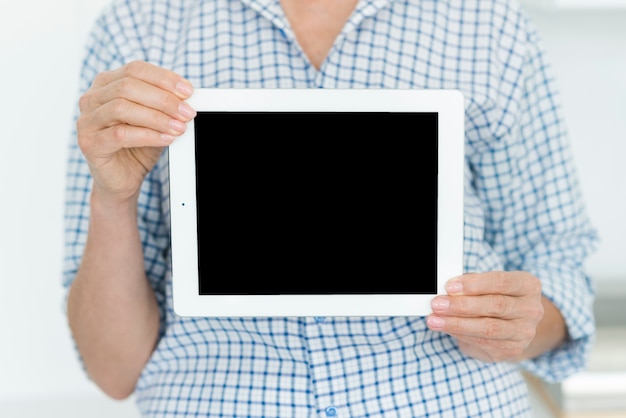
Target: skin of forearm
{"type": "Point", "coordinates": [112, 310]}
{"type": "Point", "coordinates": [551, 332]}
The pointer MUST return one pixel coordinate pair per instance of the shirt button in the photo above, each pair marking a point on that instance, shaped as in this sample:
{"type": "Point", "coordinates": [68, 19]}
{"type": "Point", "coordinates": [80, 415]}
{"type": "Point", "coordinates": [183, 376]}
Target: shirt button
{"type": "Point", "coordinates": [319, 320]}
{"type": "Point", "coordinates": [331, 411]}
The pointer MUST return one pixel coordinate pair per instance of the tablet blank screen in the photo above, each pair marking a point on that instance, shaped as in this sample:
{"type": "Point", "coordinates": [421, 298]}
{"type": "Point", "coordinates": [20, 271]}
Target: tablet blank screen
{"type": "Point", "coordinates": [316, 202]}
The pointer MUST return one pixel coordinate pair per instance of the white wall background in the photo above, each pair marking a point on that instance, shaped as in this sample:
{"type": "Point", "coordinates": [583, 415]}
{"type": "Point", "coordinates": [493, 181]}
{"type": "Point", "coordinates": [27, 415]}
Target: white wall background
{"type": "Point", "coordinates": [39, 58]}
{"type": "Point", "coordinates": [40, 46]}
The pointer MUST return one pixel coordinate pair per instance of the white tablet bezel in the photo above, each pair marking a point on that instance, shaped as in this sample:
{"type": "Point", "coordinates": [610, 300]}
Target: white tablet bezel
{"type": "Point", "coordinates": [448, 104]}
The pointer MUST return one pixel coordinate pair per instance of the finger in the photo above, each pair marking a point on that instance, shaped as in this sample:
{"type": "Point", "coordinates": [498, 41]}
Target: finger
{"type": "Point", "coordinates": [488, 328]}
{"type": "Point", "coordinates": [490, 350]}
{"type": "Point", "coordinates": [517, 283]}
{"type": "Point", "coordinates": [497, 306]}
{"type": "Point", "coordinates": [110, 140]}
{"type": "Point", "coordinates": [150, 73]}
{"type": "Point", "coordinates": [121, 111]}
{"type": "Point", "coordinates": [474, 351]}
{"type": "Point", "coordinates": [121, 124]}
{"type": "Point", "coordinates": [134, 137]}
{"type": "Point", "coordinates": [145, 94]}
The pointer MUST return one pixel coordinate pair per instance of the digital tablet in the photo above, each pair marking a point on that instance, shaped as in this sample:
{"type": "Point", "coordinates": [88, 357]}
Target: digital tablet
{"type": "Point", "coordinates": [316, 202]}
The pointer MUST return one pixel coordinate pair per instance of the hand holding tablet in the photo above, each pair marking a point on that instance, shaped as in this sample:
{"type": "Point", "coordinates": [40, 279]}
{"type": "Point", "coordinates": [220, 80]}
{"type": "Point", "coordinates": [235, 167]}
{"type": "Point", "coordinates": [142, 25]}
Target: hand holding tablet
{"type": "Point", "coordinates": [298, 202]}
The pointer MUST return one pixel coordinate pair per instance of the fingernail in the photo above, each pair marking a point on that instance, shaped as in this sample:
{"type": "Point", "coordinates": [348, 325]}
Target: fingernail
{"type": "Point", "coordinates": [186, 111]}
{"type": "Point", "coordinates": [440, 304]}
{"type": "Point", "coordinates": [184, 88]}
{"type": "Point", "coordinates": [454, 286]}
{"type": "Point", "coordinates": [177, 126]}
{"type": "Point", "coordinates": [435, 322]}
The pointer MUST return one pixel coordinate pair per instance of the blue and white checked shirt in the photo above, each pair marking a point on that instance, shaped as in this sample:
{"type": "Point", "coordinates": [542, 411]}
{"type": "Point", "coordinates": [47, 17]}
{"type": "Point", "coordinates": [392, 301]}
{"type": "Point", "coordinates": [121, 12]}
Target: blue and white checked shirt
{"type": "Point", "coordinates": [523, 209]}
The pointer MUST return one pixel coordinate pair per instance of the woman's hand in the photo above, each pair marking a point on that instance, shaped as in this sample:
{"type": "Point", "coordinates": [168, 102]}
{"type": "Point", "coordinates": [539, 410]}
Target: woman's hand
{"type": "Point", "coordinates": [498, 316]}
{"type": "Point", "coordinates": [127, 117]}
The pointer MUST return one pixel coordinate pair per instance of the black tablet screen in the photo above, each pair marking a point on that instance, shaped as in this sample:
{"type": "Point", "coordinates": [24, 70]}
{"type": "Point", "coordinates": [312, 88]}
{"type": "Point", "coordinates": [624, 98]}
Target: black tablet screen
{"type": "Point", "coordinates": [316, 202]}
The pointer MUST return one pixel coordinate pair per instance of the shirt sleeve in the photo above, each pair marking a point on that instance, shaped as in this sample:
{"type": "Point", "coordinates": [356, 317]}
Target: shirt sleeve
{"type": "Point", "coordinates": [524, 173]}
{"type": "Point", "coordinates": [561, 234]}
{"type": "Point", "coordinates": [102, 53]}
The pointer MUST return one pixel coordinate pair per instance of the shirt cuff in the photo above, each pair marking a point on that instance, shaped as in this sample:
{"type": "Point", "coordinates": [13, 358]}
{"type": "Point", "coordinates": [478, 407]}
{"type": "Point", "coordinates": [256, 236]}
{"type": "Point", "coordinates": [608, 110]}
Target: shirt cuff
{"type": "Point", "coordinates": [573, 295]}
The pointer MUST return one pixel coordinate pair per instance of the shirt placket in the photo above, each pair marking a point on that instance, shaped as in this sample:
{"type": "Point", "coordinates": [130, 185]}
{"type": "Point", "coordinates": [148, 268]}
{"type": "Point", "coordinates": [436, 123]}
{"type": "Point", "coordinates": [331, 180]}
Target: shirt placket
{"type": "Point", "coordinates": [326, 378]}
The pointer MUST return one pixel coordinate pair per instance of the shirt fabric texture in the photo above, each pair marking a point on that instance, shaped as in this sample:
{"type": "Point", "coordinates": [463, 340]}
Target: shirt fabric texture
{"type": "Point", "coordinates": [523, 209]}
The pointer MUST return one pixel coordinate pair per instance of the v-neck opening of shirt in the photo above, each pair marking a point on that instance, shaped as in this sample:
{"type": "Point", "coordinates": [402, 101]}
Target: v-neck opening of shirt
{"type": "Point", "coordinates": [273, 11]}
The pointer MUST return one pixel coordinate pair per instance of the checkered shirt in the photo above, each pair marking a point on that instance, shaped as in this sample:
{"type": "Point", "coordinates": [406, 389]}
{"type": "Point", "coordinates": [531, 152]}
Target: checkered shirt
{"type": "Point", "coordinates": [523, 209]}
